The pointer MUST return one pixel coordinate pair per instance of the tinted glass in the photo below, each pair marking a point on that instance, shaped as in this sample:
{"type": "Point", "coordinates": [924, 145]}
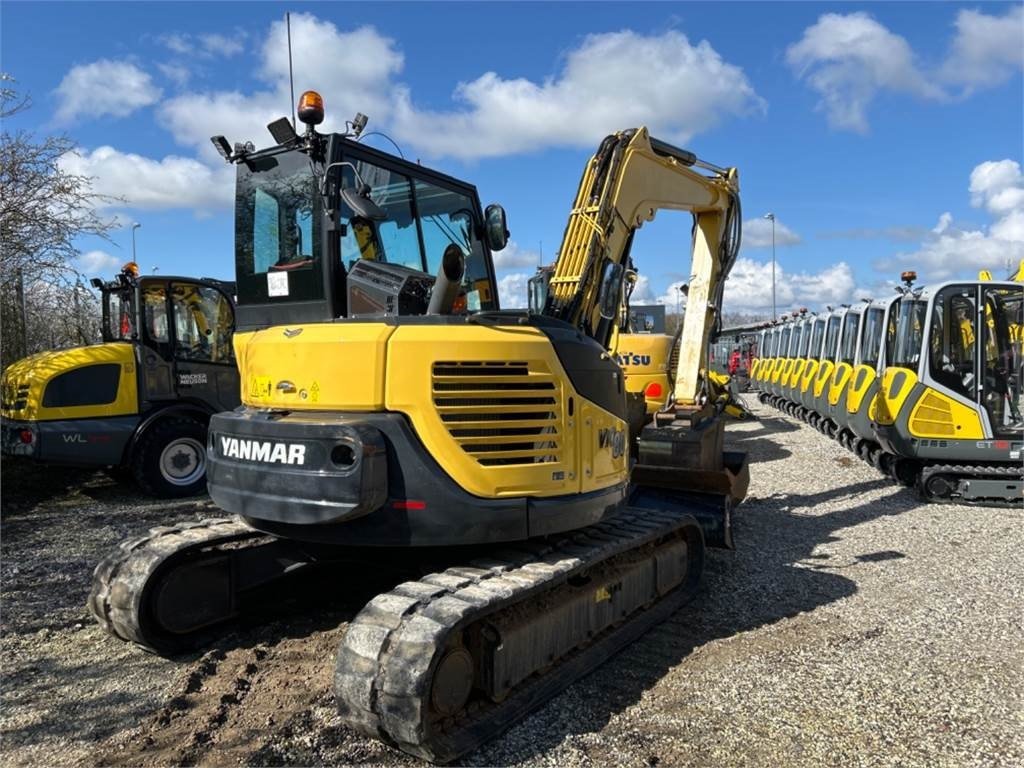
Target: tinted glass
{"type": "Point", "coordinates": [832, 338]}
{"type": "Point", "coordinates": [871, 338]}
{"type": "Point", "coordinates": [819, 331]}
{"type": "Point", "coordinates": [909, 335]}
{"type": "Point", "coordinates": [203, 323]}
{"type": "Point", "coordinates": [277, 232]}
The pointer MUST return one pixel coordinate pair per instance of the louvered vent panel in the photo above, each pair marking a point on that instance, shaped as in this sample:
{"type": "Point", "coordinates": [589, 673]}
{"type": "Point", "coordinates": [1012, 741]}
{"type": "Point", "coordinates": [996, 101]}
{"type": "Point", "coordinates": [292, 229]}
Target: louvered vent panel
{"type": "Point", "coordinates": [500, 413]}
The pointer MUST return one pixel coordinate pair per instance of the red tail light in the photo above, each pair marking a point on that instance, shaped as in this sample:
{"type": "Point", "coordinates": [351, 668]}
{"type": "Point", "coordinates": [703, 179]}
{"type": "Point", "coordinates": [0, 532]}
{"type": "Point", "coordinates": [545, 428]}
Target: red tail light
{"type": "Point", "coordinates": [413, 504]}
{"type": "Point", "coordinates": [653, 389]}
{"type": "Point", "coordinates": [26, 436]}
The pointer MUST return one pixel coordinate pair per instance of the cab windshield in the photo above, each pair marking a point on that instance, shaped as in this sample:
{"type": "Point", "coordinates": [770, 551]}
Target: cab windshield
{"type": "Point", "coordinates": [832, 338]}
{"type": "Point", "coordinates": [819, 331]}
{"type": "Point", "coordinates": [909, 337]}
{"type": "Point", "coordinates": [871, 339]}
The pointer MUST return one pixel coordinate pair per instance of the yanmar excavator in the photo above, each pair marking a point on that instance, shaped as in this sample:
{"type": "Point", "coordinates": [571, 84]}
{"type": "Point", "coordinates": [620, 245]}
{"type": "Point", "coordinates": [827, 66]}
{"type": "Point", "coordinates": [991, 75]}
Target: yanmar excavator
{"type": "Point", "coordinates": [395, 415]}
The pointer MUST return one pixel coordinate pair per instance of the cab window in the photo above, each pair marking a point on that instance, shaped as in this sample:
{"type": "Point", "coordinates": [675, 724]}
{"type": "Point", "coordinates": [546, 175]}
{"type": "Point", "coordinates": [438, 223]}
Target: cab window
{"type": "Point", "coordinates": [203, 323]}
{"type": "Point", "coordinates": [154, 315]}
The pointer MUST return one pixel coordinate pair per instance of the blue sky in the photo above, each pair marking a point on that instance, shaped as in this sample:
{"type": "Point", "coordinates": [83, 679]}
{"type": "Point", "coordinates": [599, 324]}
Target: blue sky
{"type": "Point", "coordinates": [882, 136]}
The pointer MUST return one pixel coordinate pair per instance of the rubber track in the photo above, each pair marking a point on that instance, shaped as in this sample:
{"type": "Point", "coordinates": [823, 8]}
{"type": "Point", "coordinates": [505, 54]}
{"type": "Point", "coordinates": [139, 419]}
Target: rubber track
{"type": "Point", "coordinates": [968, 471]}
{"type": "Point", "coordinates": [387, 657]}
{"type": "Point", "coordinates": [120, 580]}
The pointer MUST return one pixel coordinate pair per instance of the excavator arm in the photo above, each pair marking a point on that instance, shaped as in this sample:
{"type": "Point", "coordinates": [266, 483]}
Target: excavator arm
{"type": "Point", "coordinates": [628, 180]}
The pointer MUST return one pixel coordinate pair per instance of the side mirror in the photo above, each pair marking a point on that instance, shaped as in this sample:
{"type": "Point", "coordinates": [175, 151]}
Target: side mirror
{"type": "Point", "coordinates": [537, 291]}
{"type": "Point", "coordinates": [495, 227]}
{"type": "Point", "coordinates": [362, 205]}
{"type": "Point", "coordinates": [611, 290]}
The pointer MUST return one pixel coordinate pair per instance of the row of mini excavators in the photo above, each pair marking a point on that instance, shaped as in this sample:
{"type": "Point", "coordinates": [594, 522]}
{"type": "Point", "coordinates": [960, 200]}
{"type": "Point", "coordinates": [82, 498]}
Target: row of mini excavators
{"type": "Point", "coordinates": [393, 413]}
{"type": "Point", "coordinates": [926, 384]}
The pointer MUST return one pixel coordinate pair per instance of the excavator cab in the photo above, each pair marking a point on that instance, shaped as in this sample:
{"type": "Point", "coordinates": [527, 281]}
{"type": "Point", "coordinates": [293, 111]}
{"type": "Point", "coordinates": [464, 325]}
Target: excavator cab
{"type": "Point", "coordinates": [950, 401]}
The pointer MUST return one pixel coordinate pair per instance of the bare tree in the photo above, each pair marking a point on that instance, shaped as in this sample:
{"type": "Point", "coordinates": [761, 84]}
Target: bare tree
{"type": "Point", "coordinates": [43, 210]}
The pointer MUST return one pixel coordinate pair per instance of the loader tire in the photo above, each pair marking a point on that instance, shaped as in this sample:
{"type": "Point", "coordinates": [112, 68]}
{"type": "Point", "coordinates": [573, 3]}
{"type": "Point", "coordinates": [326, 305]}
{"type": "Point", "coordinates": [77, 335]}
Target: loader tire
{"type": "Point", "coordinates": [170, 459]}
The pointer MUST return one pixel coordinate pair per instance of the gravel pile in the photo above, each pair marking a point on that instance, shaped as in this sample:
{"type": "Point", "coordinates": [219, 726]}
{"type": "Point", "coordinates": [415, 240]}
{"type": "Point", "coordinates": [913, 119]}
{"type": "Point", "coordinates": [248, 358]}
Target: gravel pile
{"type": "Point", "coordinates": [853, 625]}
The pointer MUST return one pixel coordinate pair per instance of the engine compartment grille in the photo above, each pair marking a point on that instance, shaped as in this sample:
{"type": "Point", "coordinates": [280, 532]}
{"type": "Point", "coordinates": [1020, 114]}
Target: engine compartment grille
{"type": "Point", "coordinates": [500, 413]}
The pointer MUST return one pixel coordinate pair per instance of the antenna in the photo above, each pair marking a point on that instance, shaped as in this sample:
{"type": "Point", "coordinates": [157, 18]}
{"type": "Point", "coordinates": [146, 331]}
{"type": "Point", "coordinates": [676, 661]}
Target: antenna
{"type": "Point", "coordinates": [291, 75]}
{"type": "Point", "coordinates": [540, 256]}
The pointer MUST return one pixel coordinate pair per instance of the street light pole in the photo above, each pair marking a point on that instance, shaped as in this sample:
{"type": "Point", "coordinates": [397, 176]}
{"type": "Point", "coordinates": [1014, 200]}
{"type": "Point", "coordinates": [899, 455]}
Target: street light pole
{"type": "Point", "coordinates": [135, 226]}
{"type": "Point", "coordinates": [771, 218]}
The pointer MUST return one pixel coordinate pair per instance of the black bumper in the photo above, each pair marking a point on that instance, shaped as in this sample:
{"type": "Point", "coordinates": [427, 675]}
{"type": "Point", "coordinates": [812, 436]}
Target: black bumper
{"type": "Point", "coordinates": [366, 480]}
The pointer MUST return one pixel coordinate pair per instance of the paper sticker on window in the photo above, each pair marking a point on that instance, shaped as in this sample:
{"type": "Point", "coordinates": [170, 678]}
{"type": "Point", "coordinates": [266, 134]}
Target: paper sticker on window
{"type": "Point", "coordinates": [473, 301]}
{"type": "Point", "coordinates": [277, 283]}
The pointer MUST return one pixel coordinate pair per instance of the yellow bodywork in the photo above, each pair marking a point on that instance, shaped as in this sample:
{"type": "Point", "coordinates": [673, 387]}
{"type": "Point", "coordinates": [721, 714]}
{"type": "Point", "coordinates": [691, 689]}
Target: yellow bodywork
{"type": "Point", "coordinates": [860, 382]}
{"type": "Point", "coordinates": [445, 379]}
{"type": "Point", "coordinates": [644, 358]}
{"type": "Point", "coordinates": [840, 378]}
{"type": "Point", "coordinates": [935, 415]}
{"type": "Point", "coordinates": [25, 382]}
{"type": "Point", "coordinates": [794, 374]}
{"type": "Point", "coordinates": [889, 404]}
{"type": "Point", "coordinates": [824, 376]}
{"type": "Point", "coordinates": [807, 376]}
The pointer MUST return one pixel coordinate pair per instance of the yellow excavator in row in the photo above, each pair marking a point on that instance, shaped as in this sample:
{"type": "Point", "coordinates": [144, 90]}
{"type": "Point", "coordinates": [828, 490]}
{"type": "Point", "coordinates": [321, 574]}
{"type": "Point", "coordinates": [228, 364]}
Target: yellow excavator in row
{"type": "Point", "coordinates": [392, 411]}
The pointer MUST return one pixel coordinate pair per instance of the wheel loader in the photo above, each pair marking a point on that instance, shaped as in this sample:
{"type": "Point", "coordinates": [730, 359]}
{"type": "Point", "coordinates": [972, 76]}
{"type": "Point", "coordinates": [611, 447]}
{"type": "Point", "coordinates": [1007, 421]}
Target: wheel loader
{"type": "Point", "coordinates": [139, 402]}
{"type": "Point", "coordinates": [393, 412]}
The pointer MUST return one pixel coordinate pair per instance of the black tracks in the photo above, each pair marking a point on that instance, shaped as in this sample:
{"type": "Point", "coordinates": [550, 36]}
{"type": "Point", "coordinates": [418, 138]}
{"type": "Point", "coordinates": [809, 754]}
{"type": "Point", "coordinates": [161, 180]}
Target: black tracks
{"type": "Point", "coordinates": [383, 678]}
{"type": "Point", "coordinates": [123, 582]}
{"type": "Point", "coordinates": [954, 473]}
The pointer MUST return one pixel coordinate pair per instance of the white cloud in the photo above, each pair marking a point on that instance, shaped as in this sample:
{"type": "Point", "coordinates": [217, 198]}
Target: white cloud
{"type": "Point", "coordinates": [174, 182]}
{"type": "Point", "coordinates": [512, 256]}
{"type": "Point", "coordinates": [987, 50]}
{"type": "Point", "coordinates": [611, 81]}
{"type": "Point", "coordinates": [222, 45]}
{"type": "Point", "coordinates": [757, 233]}
{"type": "Point", "coordinates": [952, 251]}
{"type": "Point", "coordinates": [749, 287]}
{"type": "Point", "coordinates": [355, 77]}
{"type": "Point", "coordinates": [104, 87]}
{"type": "Point", "coordinates": [205, 46]}
{"type": "Point", "coordinates": [176, 73]}
{"type": "Point", "coordinates": [98, 263]}
{"type": "Point", "coordinates": [512, 290]}
{"type": "Point", "coordinates": [848, 59]}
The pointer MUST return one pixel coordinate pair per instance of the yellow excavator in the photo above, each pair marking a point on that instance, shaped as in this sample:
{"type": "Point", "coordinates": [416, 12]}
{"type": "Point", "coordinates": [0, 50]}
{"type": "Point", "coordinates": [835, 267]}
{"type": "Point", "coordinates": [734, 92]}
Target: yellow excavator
{"type": "Point", "coordinates": [392, 412]}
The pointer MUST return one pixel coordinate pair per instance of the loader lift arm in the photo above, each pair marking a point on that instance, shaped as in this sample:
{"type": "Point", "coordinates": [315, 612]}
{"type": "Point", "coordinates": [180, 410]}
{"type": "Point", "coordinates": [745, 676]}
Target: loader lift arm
{"type": "Point", "coordinates": [629, 179]}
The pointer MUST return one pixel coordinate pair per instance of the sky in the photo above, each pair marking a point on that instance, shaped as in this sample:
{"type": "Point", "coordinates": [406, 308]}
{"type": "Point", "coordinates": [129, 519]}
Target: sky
{"type": "Point", "coordinates": [883, 137]}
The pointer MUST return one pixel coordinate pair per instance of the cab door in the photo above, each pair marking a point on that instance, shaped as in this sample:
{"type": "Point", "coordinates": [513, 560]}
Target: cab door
{"type": "Point", "coordinates": [202, 327]}
{"type": "Point", "coordinates": [156, 359]}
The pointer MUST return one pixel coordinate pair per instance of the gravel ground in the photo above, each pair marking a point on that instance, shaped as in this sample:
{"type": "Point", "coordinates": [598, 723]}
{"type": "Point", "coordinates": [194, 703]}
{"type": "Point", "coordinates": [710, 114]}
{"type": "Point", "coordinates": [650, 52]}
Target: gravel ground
{"type": "Point", "coordinates": [851, 626]}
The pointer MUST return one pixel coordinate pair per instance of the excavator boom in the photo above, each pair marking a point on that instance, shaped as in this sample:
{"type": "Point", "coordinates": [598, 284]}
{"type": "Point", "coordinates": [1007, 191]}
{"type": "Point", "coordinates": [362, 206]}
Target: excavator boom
{"type": "Point", "coordinates": [627, 181]}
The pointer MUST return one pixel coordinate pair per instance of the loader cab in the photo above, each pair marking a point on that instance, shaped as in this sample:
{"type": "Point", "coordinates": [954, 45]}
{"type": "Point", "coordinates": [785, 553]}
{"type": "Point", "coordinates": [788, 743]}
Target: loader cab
{"type": "Point", "coordinates": [956, 368]}
{"type": "Point", "coordinates": [183, 328]}
{"type": "Point", "coordinates": [328, 229]}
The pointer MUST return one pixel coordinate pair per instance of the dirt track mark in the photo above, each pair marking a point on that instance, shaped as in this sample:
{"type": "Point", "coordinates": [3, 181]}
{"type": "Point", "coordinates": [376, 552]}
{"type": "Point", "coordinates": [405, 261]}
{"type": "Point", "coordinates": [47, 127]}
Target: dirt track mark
{"type": "Point", "coordinates": [230, 702]}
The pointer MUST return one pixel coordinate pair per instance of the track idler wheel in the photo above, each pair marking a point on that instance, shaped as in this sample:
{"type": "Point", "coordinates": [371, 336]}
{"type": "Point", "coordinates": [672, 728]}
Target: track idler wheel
{"type": "Point", "coordinates": [937, 487]}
